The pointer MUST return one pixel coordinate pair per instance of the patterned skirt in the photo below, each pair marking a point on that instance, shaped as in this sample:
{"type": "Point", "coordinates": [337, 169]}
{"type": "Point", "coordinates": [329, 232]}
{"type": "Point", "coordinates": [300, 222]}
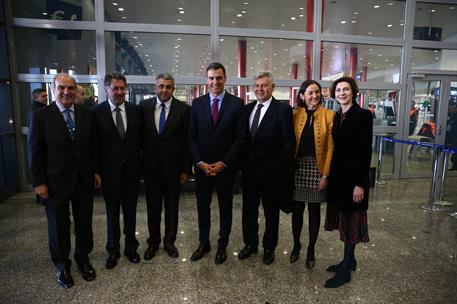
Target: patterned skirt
{"type": "Point", "coordinates": [352, 224]}
{"type": "Point", "coordinates": [307, 181]}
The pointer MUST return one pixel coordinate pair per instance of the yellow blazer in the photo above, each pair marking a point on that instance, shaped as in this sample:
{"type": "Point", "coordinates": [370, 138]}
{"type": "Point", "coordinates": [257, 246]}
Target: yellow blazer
{"type": "Point", "coordinates": [323, 140]}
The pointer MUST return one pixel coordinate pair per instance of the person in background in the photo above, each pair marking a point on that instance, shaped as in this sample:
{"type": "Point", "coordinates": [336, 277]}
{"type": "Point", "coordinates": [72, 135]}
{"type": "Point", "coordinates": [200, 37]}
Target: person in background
{"type": "Point", "coordinates": [349, 180]}
{"type": "Point", "coordinates": [314, 149]}
{"type": "Point", "coordinates": [40, 100]}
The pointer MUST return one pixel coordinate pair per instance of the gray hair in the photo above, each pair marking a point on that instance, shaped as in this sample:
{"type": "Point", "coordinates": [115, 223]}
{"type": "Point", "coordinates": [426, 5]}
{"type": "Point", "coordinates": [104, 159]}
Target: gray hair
{"type": "Point", "coordinates": [166, 76]}
{"type": "Point", "coordinates": [61, 75]}
{"type": "Point", "coordinates": [264, 74]}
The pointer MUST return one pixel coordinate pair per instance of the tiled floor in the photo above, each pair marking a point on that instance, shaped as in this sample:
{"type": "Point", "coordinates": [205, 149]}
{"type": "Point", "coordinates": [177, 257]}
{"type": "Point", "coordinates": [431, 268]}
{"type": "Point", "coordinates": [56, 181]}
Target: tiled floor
{"type": "Point", "coordinates": [411, 258]}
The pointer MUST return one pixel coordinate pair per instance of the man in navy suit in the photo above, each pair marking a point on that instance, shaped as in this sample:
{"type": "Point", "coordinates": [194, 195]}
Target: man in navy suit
{"type": "Point", "coordinates": [63, 161]}
{"type": "Point", "coordinates": [216, 138]}
{"type": "Point", "coordinates": [167, 162]}
{"type": "Point", "coordinates": [119, 131]}
{"type": "Point", "coordinates": [269, 149]}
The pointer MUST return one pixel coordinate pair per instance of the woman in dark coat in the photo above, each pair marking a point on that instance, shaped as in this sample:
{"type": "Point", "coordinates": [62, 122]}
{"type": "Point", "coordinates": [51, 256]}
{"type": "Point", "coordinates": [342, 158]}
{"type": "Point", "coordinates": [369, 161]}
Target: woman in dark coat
{"type": "Point", "coordinates": [348, 187]}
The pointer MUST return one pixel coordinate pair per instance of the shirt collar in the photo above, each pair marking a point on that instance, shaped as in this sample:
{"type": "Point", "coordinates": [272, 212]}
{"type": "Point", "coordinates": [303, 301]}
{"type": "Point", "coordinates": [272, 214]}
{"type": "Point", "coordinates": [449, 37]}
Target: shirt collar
{"type": "Point", "coordinates": [63, 108]}
{"type": "Point", "coordinates": [113, 106]}
{"type": "Point", "coordinates": [219, 97]}
{"type": "Point", "coordinates": [167, 103]}
{"type": "Point", "coordinates": [265, 103]}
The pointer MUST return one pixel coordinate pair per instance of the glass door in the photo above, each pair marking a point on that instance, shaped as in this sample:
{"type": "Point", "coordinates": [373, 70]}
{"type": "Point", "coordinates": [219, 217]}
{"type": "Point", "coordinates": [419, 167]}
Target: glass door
{"type": "Point", "coordinates": [431, 115]}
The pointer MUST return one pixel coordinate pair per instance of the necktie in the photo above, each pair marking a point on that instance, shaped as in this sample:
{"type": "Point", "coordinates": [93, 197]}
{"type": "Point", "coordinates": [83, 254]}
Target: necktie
{"type": "Point", "coordinates": [119, 122]}
{"type": "Point", "coordinates": [215, 110]}
{"type": "Point", "coordinates": [255, 121]}
{"type": "Point", "coordinates": [162, 119]}
{"type": "Point", "coordinates": [70, 124]}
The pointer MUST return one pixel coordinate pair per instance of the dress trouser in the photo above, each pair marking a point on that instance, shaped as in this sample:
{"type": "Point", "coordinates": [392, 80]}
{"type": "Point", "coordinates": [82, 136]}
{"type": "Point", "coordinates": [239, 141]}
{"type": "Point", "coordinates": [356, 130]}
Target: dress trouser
{"type": "Point", "coordinates": [162, 191]}
{"type": "Point", "coordinates": [125, 195]}
{"type": "Point", "coordinates": [253, 194]}
{"type": "Point", "coordinates": [58, 214]}
{"type": "Point", "coordinates": [223, 183]}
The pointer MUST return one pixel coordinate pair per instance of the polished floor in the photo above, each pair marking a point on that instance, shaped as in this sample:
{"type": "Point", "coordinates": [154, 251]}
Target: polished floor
{"type": "Point", "coordinates": [411, 258]}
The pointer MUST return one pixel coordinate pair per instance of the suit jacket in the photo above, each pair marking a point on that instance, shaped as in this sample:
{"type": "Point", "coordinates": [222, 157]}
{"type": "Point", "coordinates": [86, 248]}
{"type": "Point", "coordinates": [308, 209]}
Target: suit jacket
{"type": "Point", "coordinates": [167, 153]}
{"type": "Point", "coordinates": [120, 158]}
{"type": "Point", "coordinates": [223, 142]}
{"type": "Point", "coordinates": [351, 158]}
{"type": "Point", "coordinates": [35, 106]}
{"type": "Point", "coordinates": [56, 160]}
{"type": "Point", "coordinates": [268, 157]}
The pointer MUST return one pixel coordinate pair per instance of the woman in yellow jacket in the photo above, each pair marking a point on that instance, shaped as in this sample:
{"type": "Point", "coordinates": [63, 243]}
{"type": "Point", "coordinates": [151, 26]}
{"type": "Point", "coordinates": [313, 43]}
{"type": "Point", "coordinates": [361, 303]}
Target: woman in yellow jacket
{"type": "Point", "coordinates": [313, 133]}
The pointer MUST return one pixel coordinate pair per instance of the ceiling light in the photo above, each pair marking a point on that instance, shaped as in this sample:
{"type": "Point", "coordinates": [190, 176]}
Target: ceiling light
{"type": "Point", "coordinates": [356, 13]}
{"type": "Point", "coordinates": [180, 8]}
{"type": "Point", "coordinates": [243, 12]}
{"type": "Point", "coordinates": [262, 42]}
{"type": "Point", "coordinates": [386, 60]}
{"type": "Point", "coordinates": [343, 22]}
{"type": "Point", "coordinates": [436, 58]}
{"type": "Point", "coordinates": [114, 3]}
{"type": "Point", "coordinates": [370, 33]}
{"type": "Point", "coordinates": [353, 21]}
{"type": "Point", "coordinates": [301, 16]}
{"type": "Point", "coordinates": [44, 14]}
{"type": "Point", "coordinates": [245, 3]}
{"type": "Point", "coordinates": [433, 11]}
{"type": "Point", "coordinates": [283, 24]}
{"type": "Point", "coordinates": [292, 18]}
{"type": "Point", "coordinates": [239, 15]}
{"type": "Point", "coordinates": [436, 51]}
{"type": "Point", "coordinates": [222, 39]}
{"type": "Point", "coordinates": [275, 54]}
{"type": "Point", "coordinates": [179, 20]}
{"type": "Point", "coordinates": [233, 22]}
{"type": "Point", "coordinates": [389, 25]}
{"type": "Point", "coordinates": [451, 7]}
{"type": "Point", "coordinates": [181, 12]}
{"type": "Point", "coordinates": [390, 3]}
{"type": "Point", "coordinates": [379, 55]}
{"type": "Point", "coordinates": [135, 37]}
{"type": "Point", "coordinates": [401, 24]}
{"type": "Point", "coordinates": [369, 62]}
{"type": "Point", "coordinates": [123, 17]}
{"type": "Point", "coordinates": [376, 6]}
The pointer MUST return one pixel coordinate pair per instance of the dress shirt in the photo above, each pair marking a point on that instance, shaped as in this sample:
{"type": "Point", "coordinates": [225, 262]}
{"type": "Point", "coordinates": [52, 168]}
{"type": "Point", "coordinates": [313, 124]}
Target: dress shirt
{"type": "Point", "coordinates": [123, 114]}
{"type": "Point", "coordinates": [263, 110]}
{"type": "Point", "coordinates": [62, 111]}
{"type": "Point", "coordinates": [219, 97]}
{"type": "Point", "coordinates": [158, 109]}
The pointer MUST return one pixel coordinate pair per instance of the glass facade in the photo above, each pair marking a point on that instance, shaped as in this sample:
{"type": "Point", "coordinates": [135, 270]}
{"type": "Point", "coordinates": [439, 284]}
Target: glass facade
{"type": "Point", "coordinates": [380, 44]}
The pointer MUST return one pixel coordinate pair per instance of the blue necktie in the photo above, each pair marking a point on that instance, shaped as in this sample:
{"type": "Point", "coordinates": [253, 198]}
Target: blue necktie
{"type": "Point", "coordinates": [162, 119]}
{"type": "Point", "coordinates": [70, 124]}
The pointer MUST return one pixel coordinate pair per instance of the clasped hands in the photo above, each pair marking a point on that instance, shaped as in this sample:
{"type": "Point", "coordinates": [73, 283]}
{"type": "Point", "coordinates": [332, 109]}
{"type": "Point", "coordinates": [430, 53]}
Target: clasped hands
{"type": "Point", "coordinates": [211, 170]}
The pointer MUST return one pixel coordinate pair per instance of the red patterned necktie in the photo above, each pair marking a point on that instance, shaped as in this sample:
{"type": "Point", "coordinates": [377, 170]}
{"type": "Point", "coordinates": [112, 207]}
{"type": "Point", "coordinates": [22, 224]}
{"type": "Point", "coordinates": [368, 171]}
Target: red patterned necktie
{"type": "Point", "coordinates": [215, 110]}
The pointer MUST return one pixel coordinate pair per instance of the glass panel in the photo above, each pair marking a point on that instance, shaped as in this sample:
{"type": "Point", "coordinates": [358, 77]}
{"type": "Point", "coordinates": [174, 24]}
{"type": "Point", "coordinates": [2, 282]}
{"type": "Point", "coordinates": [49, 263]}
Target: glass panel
{"type": "Point", "coordinates": [149, 54]}
{"type": "Point", "coordinates": [451, 126]}
{"type": "Point", "coordinates": [362, 62]}
{"type": "Point", "coordinates": [382, 18]}
{"type": "Point", "coordinates": [82, 10]}
{"type": "Point", "coordinates": [286, 59]}
{"type": "Point", "coordinates": [4, 66]}
{"type": "Point", "coordinates": [439, 59]}
{"type": "Point", "coordinates": [383, 104]}
{"type": "Point", "coordinates": [436, 22]}
{"type": "Point", "coordinates": [189, 12]}
{"type": "Point", "coordinates": [8, 162]}
{"type": "Point", "coordinates": [1, 11]}
{"type": "Point", "coordinates": [293, 15]}
{"type": "Point", "coordinates": [424, 106]}
{"type": "Point", "coordinates": [54, 51]}
{"type": "Point", "coordinates": [6, 113]}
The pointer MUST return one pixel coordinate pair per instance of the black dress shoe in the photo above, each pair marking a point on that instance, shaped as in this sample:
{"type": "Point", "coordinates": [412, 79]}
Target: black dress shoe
{"type": "Point", "coordinates": [133, 257]}
{"type": "Point", "coordinates": [295, 254]}
{"type": "Point", "coordinates": [268, 257]}
{"type": "Point", "coordinates": [150, 253]}
{"type": "Point", "coordinates": [310, 258]}
{"type": "Point", "coordinates": [335, 268]}
{"type": "Point", "coordinates": [247, 251]}
{"type": "Point", "coordinates": [111, 262]}
{"type": "Point", "coordinates": [221, 255]}
{"type": "Point", "coordinates": [172, 251]}
{"type": "Point", "coordinates": [65, 279]}
{"type": "Point", "coordinates": [200, 252]}
{"type": "Point", "coordinates": [87, 271]}
{"type": "Point", "coordinates": [340, 278]}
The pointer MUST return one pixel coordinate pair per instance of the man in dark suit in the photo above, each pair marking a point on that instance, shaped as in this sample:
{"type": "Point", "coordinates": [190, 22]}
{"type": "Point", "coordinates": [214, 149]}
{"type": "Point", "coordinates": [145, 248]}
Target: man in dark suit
{"type": "Point", "coordinates": [119, 127]}
{"type": "Point", "coordinates": [63, 157]}
{"type": "Point", "coordinates": [166, 162]}
{"type": "Point", "coordinates": [216, 138]}
{"type": "Point", "coordinates": [271, 139]}
{"type": "Point", "coordinates": [40, 100]}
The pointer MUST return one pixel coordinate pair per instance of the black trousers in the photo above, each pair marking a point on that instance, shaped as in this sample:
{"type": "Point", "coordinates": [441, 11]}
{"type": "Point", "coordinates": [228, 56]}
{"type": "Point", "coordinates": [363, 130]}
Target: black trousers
{"type": "Point", "coordinates": [162, 191]}
{"type": "Point", "coordinates": [253, 194]}
{"type": "Point", "coordinates": [223, 184]}
{"type": "Point", "coordinates": [125, 195]}
{"type": "Point", "coordinates": [58, 214]}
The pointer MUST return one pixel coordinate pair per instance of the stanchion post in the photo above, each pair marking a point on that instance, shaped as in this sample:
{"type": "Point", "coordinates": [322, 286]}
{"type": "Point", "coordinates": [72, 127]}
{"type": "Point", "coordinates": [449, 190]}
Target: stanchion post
{"type": "Point", "coordinates": [378, 172]}
{"type": "Point", "coordinates": [443, 181]}
{"type": "Point", "coordinates": [431, 202]}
